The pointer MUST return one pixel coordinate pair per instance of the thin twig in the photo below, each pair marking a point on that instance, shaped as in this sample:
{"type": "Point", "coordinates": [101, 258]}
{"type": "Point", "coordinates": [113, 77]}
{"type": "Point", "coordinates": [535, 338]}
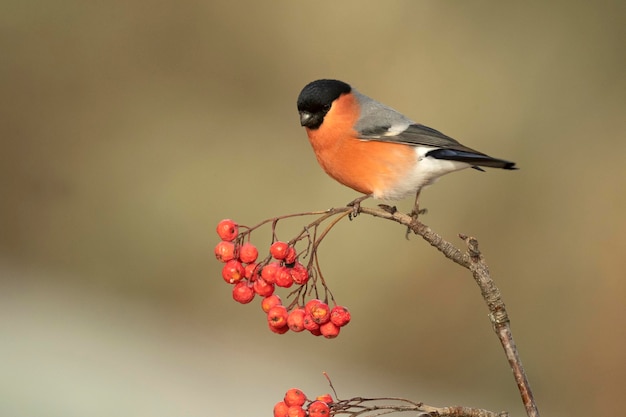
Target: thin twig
{"type": "Point", "coordinates": [369, 406]}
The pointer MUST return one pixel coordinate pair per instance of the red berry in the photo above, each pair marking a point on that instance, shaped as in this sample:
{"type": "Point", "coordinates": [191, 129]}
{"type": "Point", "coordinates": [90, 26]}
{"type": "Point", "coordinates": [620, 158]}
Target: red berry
{"type": "Point", "coordinates": [279, 250]}
{"type": "Point", "coordinates": [329, 330]}
{"type": "Point", "coordinates": [309, 323]}
{"type": "Point", "coordinates": [316, 332]}
{"type": "Point", "coordinates": [294, 396]}
{"type": "Point", "coordinates": [318, 310]}
{"type": "Point", "coordinates": [277, 316]}
{"type": "Point", "coordinates": [279, 330]}
{"type": "Point", "coordinates": [232, 271]}
{"type": "Point", "coordinates": [280, 409]}
{"type": "Point", "coordinates": [252, 271]}
{"type": "Point", "coordinates": [263, 288]}
{"type": "Point", "coordinates": [290, 257]}
{"type": "Point", "coordinates": [243, 292]}
{"type": "Point", "coordinates": [227, 230]}
{"type": "Point", "coordinates": [319, 409]}
{"type": "Point", "coordinates": [269, 272]}
{"type": "Point", "coordinates": [283, 277]}
{"type": "Point", "coordinates": [340, 316]}
{"type": "Point", "coordinates": [271, 301]}
{"type": "Point", "coordinates": [299, 274]}
{"type": "Point", "coordinates": [225, 251]}
{"type": "Point", "coordinates": [295, 321]}
{"type": "Point", "coordinates": [326, 398]}
{"type": "Point", "coordinates": [296, 411]}
{"type": "Point", "coordinates": [309, 305]}
{"type": "Point", "coordinates": [248, 253]}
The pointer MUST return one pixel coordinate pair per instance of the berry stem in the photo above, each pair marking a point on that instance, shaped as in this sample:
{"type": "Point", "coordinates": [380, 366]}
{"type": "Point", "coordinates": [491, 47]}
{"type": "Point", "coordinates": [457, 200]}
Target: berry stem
{"type": "Point", "coordinates": [275, 220]}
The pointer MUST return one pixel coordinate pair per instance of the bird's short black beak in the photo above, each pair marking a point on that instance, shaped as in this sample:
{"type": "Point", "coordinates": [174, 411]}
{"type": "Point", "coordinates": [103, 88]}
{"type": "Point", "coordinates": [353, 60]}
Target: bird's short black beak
{"type": "Point", "coordinates": [305, 117]}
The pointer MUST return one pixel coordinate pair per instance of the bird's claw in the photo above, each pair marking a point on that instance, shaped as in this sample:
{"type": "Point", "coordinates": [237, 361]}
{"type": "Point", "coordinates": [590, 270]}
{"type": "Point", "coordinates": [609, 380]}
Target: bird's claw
{"type": "Point", "coordinates": [356, 206]}
{"type": "Point", "coordinates": [415, 213]}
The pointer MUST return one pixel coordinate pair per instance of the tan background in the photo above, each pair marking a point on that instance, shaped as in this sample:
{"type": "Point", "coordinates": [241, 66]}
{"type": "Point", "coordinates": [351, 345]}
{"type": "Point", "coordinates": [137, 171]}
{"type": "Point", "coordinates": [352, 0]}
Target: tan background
{"type": "Point", "coordinates": [129, 128]}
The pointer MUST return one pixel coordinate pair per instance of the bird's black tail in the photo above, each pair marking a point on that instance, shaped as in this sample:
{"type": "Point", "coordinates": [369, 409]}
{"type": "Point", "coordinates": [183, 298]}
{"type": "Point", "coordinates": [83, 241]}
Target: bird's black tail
{"type": "Point", "coordinates": [473, 158]}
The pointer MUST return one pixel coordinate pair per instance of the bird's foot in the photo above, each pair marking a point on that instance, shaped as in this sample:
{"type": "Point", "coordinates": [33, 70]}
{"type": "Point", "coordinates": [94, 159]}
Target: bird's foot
{"type": "Point", "coordinates": [415, 213]}
{"type": "Point", "coordinates": [356, 206]}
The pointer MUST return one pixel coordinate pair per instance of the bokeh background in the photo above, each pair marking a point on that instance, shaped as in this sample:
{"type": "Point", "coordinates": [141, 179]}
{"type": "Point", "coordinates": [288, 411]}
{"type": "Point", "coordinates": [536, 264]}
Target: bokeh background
{"type": "Point", "coordinates": [128, 129]}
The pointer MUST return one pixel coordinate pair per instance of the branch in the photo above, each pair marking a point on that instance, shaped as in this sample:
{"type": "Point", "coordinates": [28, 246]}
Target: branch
{"type": "Point", "coordinates": [363, 406]}
{"type": "Point", "coordinates": [355, 407]}
{"type": "Point", "coordinates": [475, 263]}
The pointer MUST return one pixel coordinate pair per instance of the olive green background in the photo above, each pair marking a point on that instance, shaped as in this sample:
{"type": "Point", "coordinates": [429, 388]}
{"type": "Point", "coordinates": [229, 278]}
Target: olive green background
{"type": "Point", "coordinates": [128, 129]}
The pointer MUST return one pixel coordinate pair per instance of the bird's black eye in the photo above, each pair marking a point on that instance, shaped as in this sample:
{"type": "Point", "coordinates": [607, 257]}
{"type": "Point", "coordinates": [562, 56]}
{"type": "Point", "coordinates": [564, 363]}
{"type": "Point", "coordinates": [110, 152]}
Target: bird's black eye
{"type": "Point", "coordinates": [326, 107]}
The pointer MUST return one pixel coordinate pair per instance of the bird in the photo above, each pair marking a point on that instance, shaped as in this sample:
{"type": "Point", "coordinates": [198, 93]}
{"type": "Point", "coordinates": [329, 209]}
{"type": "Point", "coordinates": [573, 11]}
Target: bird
{"type": "Point", "coordinates": [376, 150]}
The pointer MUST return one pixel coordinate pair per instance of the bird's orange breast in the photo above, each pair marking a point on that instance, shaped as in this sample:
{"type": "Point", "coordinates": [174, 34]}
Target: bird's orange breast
{"type": "Point", "coordinates": [370, 167]}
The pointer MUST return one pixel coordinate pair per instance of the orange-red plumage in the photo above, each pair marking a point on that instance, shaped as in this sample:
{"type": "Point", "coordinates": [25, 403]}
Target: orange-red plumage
{"type": "Point", "coordinates": [365, 166]}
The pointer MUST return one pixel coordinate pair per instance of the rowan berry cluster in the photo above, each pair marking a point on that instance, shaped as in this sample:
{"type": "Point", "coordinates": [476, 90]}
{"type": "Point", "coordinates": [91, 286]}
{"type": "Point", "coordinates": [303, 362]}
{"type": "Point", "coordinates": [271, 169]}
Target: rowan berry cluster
{"type": "Point", "coordinates": [296, 404]}
{"type": "Point", "coordinates": [316, 317]}
{"type": "Point", "coordinates": [281, 268]}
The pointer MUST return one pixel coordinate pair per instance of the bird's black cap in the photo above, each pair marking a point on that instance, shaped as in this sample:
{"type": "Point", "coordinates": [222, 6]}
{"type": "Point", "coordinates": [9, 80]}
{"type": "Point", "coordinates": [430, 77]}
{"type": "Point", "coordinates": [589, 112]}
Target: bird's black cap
{"type": "Point", "coordinates": [316, 98]}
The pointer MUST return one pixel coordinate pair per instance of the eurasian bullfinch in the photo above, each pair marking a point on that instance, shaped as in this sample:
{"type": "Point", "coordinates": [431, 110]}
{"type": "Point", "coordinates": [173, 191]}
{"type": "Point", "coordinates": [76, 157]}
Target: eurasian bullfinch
{"type": "Point", "coordinates": [376, 150]}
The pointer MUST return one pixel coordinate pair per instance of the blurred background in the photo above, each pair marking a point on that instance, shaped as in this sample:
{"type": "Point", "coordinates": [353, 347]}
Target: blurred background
{"type": "Point", "coordinates": [129, 129]}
